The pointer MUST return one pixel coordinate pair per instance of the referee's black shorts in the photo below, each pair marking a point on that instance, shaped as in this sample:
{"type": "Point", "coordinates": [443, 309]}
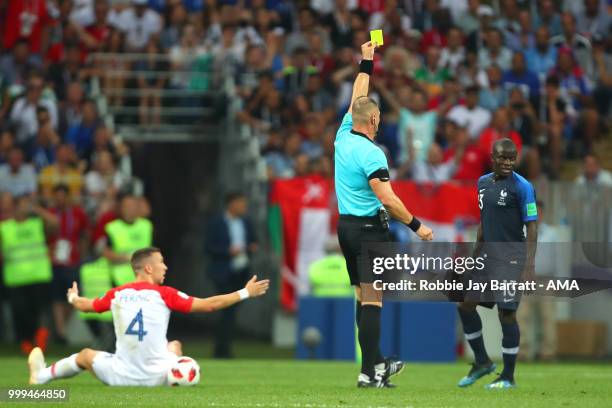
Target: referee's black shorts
{"type": "Point", "coordinates": [353, 231]}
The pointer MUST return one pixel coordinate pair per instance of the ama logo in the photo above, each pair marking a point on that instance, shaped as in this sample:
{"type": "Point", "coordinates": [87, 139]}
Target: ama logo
{"type": "Point", "coordinates": [502, 197]}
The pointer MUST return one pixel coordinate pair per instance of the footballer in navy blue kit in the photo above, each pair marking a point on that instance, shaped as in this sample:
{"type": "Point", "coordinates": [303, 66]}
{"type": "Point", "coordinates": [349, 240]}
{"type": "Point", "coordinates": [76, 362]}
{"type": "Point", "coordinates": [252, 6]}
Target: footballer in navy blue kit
{"type": "Point", "coordinates": [507, 209]}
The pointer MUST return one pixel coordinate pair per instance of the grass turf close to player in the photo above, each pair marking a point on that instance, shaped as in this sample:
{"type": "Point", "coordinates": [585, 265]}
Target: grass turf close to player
{"type": "Point", "coordinates": [287, 383]}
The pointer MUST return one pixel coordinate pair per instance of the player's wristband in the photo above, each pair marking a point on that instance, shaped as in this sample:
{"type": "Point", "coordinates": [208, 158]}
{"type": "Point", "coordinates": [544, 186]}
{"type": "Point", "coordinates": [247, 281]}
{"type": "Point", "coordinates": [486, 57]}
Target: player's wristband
{"type": "Point", "coordinates": [71, 297]}
{"type": "Point", "coordinates": [243, 293]}
{"type": "Point", "coordinates": [415, 224]}
{"type": "Point", "coordinates": [366, 66]}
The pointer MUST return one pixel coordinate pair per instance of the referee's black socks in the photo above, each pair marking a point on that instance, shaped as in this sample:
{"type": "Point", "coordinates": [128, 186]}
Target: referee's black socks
{"type": "Point", "coordinates": [369, 337]}
{"type": "Point", "coordinates": [379, 357]}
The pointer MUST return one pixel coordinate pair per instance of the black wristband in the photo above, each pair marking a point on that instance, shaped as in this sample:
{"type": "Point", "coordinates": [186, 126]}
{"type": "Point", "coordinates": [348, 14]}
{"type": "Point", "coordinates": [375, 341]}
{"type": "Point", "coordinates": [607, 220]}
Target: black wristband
{"type": "Point", "coordinates": [415, 224]}
{"type": "Point", "coordinates": [366, 66]}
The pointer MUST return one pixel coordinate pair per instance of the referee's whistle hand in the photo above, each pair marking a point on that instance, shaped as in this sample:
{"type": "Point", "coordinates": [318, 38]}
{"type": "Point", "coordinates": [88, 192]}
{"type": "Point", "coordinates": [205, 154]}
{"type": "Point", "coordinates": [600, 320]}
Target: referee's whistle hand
{"type": "Point", "coordinates": [425, 233]}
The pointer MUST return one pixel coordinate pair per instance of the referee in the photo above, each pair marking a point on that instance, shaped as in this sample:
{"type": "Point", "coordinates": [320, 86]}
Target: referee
{"type": "Point", "coordinates": [364, 192]}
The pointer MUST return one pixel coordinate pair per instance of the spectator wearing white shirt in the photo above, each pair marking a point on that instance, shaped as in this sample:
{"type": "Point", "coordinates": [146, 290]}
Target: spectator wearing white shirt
{"type": "Point", "coordinates": [104, 181]}
{"type": "Point", "coordinates": [495, 52]}
{"type": "Point", "coordinates": [16, 177]}
{"type": "Point", "coordinates": [139, 23]}
{"type": "Point", "coordinates": [23, 113]}
{"type": "Point", "coordinates": [476, 117]}
{"type": "Point", "coordinates": [454, 54]}
{"type": "Point", "coordinates": [593, 174]}
{"type": "Point", "coordinates": [434, 169]}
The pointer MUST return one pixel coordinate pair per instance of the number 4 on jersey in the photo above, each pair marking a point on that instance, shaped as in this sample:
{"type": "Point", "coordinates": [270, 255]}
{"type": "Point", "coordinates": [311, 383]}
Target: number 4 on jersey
{"type": "Point", "coordinates": [140, 332]}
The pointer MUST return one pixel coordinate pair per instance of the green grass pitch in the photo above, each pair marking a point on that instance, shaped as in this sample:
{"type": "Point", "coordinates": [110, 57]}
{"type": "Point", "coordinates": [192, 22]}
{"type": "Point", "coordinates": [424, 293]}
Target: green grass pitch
{"type": "Point", "coordinates": [287, 383]}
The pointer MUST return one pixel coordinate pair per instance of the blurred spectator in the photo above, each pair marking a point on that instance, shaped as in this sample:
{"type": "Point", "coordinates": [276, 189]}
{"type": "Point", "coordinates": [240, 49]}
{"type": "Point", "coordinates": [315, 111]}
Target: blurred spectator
{"type": "Point", "coordinates": [602, 75]}
{"type": "Point", "coordinates": [183, 56]}
{"type": "Point", "coordinates": [454, 54]}
{"type": "Point", "coordinates": [27, 269]}
{"type": "Point", "coordinates": [296, 72]}
{"type": "Point", "coordinates": [468, 21]}
{"type": "Point", "coordinates": [338, 22]}
{"type": "Point", "coordinates": [432, 75]}
{"type": "Point", "coordinates": [230, 243]}
{"type": "Point", "coordinates": [437, 36]}
{"type": "Point", "coordinates": [17, 177]}
{"type": "Point", "coordinates": [70, 69]}
{"type": "Point", "coordinates": [151, 81]}
{"type": "Point", "coordinates": [593, 174]}
{"type": "Point", "coordinates": [434, 169]}
{"type": "Point", "coordinates": [542, 57]}
{"type": "Point", "coordinates": [500, 128]}
{"type": "Point", "coordinates": [63, 171]}
{"type": "Point", "coordinates": [16, 66]}
{"type": "Point", "coordinates": [139, 24]}
{"type": "Point", "coordinates": [475, 117]}
{"type": "Point", "coordinates": [83, 11]}
{"type": "Point", "coordinates": [312, 128]}
{"type": "Point", "coordinates": [416, 126]}
{"type": "Point", "coordinates": [68, 248]}
{"type": "Point", "coordinates": [470, 73]}
{"type": "Point", "coordinates": [306, 20]}
{"type": "Point", "coordinates": [264, 110]}
{"type": "Point", "coordinates": [473, 163]}
{"type": "Point", "coordinates": [522, 116]}
{"type": "Point", "coordinates": [95, 33]}
{"type": "Point", "coordinates": [556, 114]}
{"type": "Point", "coordinates": [47, 139]}
{"type": "Point", "coordinates": [7, 142]}
{"type": "Point", "coordinates": [110, 69]}
{"type": "Point", "coordinates": [593, 20]}
{"type": "Point", "coordinates": [495, 52]}
{"type": "Point", "coordinates": [171, 34]}
{"type": "Point", "coordinates": [104, 181]}
{"type": "Point", "coordinates": [494, 95]}
{"type": "Point", "coordinates": [316, 99]}
{"type": "Point", "coordinates": [519, 76]}
{"type": "Point", "coordinates": [23, 113]}
{"type": "Point", "coordinates": [571, 40]}
{"type": "Point", "coordinates": [572, 80]}
{"type": "Point", "coordinates": [80, 135]}
{"type": "Point", "coordinates": [547, 16]}
{"type": "Point", "coordinates": [280, 156]}
{"type": "Point", "coordinates": [28, 20]}
{"type": "Point", "coordinates": [71, 110]}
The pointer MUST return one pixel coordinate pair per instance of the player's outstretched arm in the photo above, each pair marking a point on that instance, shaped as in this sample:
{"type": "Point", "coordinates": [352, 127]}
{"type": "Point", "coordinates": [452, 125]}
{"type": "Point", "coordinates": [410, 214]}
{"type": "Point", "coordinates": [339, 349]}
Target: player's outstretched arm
{"type": "Point", "coordinates": [396, 207]}
{"type": "Point", "coordinates": [82, 304]}
{"type": "Point", "coordinates": [362, 82]}
{"type": "Point", "coordinates": [253, 288]}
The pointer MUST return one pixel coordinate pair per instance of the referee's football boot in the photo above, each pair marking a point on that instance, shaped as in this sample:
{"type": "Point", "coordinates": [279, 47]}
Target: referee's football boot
{"type": "Point", "coordinates": [36, 362]}
{"type": "Point", "coordinates": [500, 383]}
{"type": "Point", "coordinates": [390, 368]}
{"type": "Point", "coordinates": [364, 381]}
{"type": "Point", "coordinates": [477, 372]}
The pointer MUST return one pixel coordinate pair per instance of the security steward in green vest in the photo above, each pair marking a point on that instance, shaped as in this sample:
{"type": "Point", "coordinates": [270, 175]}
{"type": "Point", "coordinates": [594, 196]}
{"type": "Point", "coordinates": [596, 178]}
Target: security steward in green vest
{"type": "Point", "coordinates": [27, 268]}
{"type": "Point", "coordinates": [124, 236]}
{"type": "Point", "coordinates": [328, 276]}
{"type": "Point", "coordinates": [95, 278]}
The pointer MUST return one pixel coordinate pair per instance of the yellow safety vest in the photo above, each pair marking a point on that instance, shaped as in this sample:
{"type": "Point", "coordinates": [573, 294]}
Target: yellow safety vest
{"type": "Point", "coordinates": [95, 280]}
{"type": "Point", "coordinates": [24, 250]}
{"type": "Point", "coordinates": [329, 277]}
{"type": "Point", "coordinates": [127, 239]}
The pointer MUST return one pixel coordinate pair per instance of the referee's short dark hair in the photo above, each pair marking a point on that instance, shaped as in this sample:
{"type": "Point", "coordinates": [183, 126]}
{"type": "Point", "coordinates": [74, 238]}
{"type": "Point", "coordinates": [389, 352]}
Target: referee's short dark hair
{"type": "Point", "coordinates": [233, 196]}
{"type": "Point", "coordinates": [142, 254]}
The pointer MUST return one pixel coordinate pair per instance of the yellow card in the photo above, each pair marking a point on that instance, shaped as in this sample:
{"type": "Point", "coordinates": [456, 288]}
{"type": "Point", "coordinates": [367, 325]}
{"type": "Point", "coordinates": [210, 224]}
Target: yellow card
{"type": "Point", "coordinates": [376, 36]}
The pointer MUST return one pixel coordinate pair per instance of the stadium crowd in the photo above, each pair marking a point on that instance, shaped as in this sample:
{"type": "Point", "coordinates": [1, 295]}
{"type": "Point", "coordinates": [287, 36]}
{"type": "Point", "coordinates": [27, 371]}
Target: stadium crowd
{"type": "Point", "coordinates": [452, 77]}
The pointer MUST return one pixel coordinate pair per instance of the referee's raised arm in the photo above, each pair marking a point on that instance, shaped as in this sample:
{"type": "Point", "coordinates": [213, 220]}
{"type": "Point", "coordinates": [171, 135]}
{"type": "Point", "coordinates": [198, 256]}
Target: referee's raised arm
{"type": "Point", "coordinates": [366, 119]}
